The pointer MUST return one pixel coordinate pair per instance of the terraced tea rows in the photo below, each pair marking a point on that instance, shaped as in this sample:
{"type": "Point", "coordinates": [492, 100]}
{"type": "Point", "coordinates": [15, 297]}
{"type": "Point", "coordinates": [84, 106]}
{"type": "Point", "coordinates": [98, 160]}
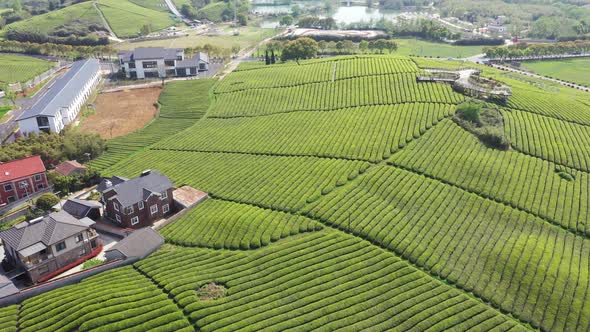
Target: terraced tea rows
{"type": "Point", "coordinates": [285, 183]}
{"type": "Point", "coordinates": [354, 92]}
{"type": "Point", "coordinates": [131, 302]}
{"type": "Point", "coordinates": [325, 281]}
{"type": "Point", "coordinates": [182, 103]}
{"type": "Point", "coordinates": [221, 224]}
{"type": "Point", "coordinates": [370, 133]}
{"type": "Point", "coordinates": [455, 156]}
{"type": "Point", "coordinates": [8, 318]}
{"type": "Point", "coordinates": [518, 262]}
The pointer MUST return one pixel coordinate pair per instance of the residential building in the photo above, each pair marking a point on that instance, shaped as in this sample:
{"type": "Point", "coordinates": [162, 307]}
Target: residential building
{"type": "Point", "coordinates": [81, 208]}
{"type": "Point", "coordinates": [62, 103]}
{"type": "Point", "coordinates": [45, 246]}
{"type": "Point", "coordinates": [138, 202]}
{"type": "Point", "coordinates": [138, 245]}
{"type": "Point", "coordinates": [159, 62]}
{"type": "Point", "coordinates": [21, 178]}
{"type": "Point", "coordinates": [70, 167]}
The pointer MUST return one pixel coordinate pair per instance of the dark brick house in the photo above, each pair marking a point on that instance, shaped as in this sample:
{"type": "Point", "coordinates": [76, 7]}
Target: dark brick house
{"type": "Point", "coordinates": [21, 178]}
{"type": "Point", "coordinates": [138, 202]}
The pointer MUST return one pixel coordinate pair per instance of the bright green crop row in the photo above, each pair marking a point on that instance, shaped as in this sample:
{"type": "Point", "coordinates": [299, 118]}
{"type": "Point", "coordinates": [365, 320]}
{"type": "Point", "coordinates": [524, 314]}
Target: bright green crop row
{"type": "Point", "coordinates": [116, 300]}
{"type": "Point", "coordinates": [558, 141]}
{"type": "Point", "coordinates": [452, 154]}
{"type": "Point", "coordinates": [21, 68]}
{"type": "Point", "coordinates": [370, 133]}
{"type": "Point", "coordinates": [126, 18]}
{"type": "Point", "coordinates": [221, 224]}
{"type": "Point", "coordinates": [285, 75]}
{"type": "Point", "coordinates": [520, 263]}
{"type": "Point", "coordinates": [8, 318]}
{"type": "Point", "coordinates": [323, 280]}
{"type": "Point", "coordinates": [360, 91]}
{"type": "Point", "coordinates": [285, 183]}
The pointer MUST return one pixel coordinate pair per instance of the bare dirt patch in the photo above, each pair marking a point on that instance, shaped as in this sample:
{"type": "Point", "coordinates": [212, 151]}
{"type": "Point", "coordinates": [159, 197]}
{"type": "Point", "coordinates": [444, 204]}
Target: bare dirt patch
{"type": "Point", "coordinates": [211, 291]}
{"type": "Point", "coordinates": [122, 112]}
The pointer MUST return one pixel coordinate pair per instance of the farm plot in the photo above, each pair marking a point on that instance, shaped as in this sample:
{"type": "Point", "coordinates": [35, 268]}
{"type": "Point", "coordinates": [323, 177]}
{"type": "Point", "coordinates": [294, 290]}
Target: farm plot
{"type": "Point", "coordinates": [182, 103]}
{"type": "Point", "coordinates": [286, 183]}
{"type": "Point", "coordinates": [354, 92]}
{"type": "Point", "coordinates": [313, 72]}
{"type": "Point", "coordinates": [452, 154]}
{"type": "Point", "coordinates": [222, 224]}
{"type": "Point", "coordinates": [370, 133]}
{"type": "Point", "coordinates": [558, 141]}
{"type": "Point", "coordinates": [571, 70]}
{"type": "Point", "coordinates": [8, 318]}
{"type": "Point", "coordinates": [130, 302]}
{"type": "Point", "coordinates": [517, 262]}
{"type": "Point", "coordinates": [323, 281]}
{"type": "Point", "coordinates": [20, 68]}
{"type": "Point", "coordinates": [127, 18]}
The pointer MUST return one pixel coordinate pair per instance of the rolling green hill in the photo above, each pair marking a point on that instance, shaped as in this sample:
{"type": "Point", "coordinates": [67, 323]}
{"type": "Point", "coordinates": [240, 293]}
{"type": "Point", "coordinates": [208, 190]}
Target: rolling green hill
{"type": "Point", "coordinates": [126, 18]}
{"type": "Point", "coordinates": [19, 68]}
{"type": "Point", "coordinates": [345, 195]}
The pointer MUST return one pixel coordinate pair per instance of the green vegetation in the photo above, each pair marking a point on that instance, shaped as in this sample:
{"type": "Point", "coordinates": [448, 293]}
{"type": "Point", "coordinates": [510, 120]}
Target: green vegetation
{"type": "Point", "coordinates": [484, 121]}
{"type": "Point", "coordinates": [91, 263]}
{"type": "Point", "coordinates": [159, 5]}
{"type": "Point", "coordinates": [127, 18]}
{"type": "Point", "coordinates": [212, 12]}
{"type": "Point", "coordinates": [47, 201]}
{"type": "Point", "coordinates": [574, 70]}
{"type": "Point", "coordinates": [8, 318]}
{"type": "Point", "coordinates": [17, 68]}
{"type": "Point", "coordinates": [419, 47]}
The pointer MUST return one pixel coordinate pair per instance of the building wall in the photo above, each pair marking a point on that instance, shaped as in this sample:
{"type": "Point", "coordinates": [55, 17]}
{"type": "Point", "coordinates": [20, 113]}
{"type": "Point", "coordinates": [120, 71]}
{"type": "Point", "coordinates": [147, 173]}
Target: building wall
{"type": "Point", "coordinates": [17, 192]}
{"type": "Point", "coordinates": [144, 215]}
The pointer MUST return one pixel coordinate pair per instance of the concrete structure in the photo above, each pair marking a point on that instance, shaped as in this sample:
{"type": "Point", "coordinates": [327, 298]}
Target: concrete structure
{"type": "Point", "coordinates": [45, 245]}
{"type": "Point", "coordinates": [187, 197]}
{"type": "Point", "coordinates": [62, 102]}
{"type": "Point", "coordinates": [70, 167]}
{"type": "Point", "coordinates": [138, 202]}
{"type": "Point", "coordinates": [138, 245]}
{"type": "Point", "coordinates": [80, 208]}
{"type": "Point", "coordinates": [158, 62]}
{"type": "Point", "coordinates": [21, 178]}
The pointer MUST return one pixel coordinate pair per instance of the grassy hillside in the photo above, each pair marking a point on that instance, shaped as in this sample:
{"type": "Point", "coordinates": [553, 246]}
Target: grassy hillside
{"type": "Point", "coordinates": [159, 5]}
{"type": "Point", "coordinates": [126, 18]}
{"type": "Point", "coordinates": [345, 195]}
{"type": "Point", "coordinates": [18, 68]}
{"type": "Point", "coordinates": [212, 11]}
{"type": "Point", "coordinates": [575, 70]}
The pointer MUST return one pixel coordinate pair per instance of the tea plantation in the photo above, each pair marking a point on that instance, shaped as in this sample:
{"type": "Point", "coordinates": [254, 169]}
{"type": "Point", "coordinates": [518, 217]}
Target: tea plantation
{"type": "Point", "coordinates": [345, 195]}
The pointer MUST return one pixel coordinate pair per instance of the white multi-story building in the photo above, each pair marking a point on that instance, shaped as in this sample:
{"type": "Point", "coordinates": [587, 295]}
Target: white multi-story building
{"type": "Point", "coordinates": [158, 62]}
{"type": "Point", "coordinates": [62, 103]}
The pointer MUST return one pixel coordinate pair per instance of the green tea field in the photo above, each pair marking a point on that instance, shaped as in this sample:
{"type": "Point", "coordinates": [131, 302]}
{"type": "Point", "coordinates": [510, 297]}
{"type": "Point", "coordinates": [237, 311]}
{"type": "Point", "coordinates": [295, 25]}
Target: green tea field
{"type": "Point", "coordinates": [20, 68]}
{"type": "Point", "coordinates": [572, 70]}
{"type": "Point", "coordinates": [345, 195]}
{"type": "Point", "coordinates": [126, 17]}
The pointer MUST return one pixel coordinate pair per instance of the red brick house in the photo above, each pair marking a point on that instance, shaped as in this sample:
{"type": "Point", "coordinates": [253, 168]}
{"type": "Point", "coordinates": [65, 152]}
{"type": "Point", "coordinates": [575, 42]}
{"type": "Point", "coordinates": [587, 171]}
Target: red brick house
{"type": "Point", "coordinates": [21, 178]}
{"type": "Point", "coordinates": [138, 202]}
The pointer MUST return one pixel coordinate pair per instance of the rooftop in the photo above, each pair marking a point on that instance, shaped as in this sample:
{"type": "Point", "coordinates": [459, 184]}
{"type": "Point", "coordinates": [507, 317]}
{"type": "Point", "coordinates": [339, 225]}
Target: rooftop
{"type": "Point", "coordinates": [188, 196]}
{"type": "Point", "coordinates": [140, 188]}
{"type": "Point", "coordinates": [139, 244]}
{"type": "Point", "coordinates": [64, 90]}
{"type": "Point", "coordinates": [79, 208]}
{"type": "Point", "coordinates": [68, 167]}
{"type": "Point", "coordinates": [146, 53]}
{"type": "Point", "coordinates": [17, 169]}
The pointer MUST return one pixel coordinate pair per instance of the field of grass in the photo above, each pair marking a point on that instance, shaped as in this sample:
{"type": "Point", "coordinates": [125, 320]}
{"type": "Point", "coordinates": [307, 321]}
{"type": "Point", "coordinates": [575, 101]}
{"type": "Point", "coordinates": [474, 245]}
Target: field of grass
{"type": "Point", "coordinates": [425, 48]}
{"type": "Point", "coordinates": [126, 18]}
{"type": "Point", "coordinates": [48, 22]}
{"type": "Point", "coordinates": [345, 196]}
{"type": "Point", "coordinates": [19, 68]}
{"type": "Point", "coordinates": [574, 70]}
{"type": "Point", "coordinates": [159, 5]}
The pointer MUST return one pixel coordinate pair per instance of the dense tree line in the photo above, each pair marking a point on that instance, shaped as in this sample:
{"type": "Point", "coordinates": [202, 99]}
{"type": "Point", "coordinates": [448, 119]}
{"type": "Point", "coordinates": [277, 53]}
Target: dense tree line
{"type": "Point", "coordinates": [525, 49]}
{"type": "Point", "coordinates": [50, 49]}
{"type": "Point", "coordinates": [315, 22]}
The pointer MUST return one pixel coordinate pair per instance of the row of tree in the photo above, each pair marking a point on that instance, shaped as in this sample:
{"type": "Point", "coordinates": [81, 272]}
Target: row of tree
{"type": "Point", "coordinates": [525, 50]}
{"type": "Point", "coordinates": [59, 50]}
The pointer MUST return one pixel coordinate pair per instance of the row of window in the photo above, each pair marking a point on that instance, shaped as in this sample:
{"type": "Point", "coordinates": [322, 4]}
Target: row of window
{"type": "Point", "coordinates": [22, 184]}
{"type": "Point", "coordinates": [140, 205]}
{"type": "Point", "coordinates": [153, 210]}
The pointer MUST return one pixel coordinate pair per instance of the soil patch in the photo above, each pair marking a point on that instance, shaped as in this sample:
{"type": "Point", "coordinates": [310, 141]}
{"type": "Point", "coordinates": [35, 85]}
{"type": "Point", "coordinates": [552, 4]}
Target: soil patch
{"type": "Point", "coordinates": [122, 112]}
{"type": "Point", "coordinates": [211, 291]}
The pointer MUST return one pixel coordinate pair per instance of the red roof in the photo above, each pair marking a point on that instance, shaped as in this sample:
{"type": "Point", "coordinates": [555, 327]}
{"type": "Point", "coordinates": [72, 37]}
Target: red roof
{"type": "Point", "coordinates": [68, 167]}
{"type": "Point", "coordinates": [16, 169]}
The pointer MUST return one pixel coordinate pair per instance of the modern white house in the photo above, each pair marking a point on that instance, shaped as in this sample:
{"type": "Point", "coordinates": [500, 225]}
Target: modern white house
{"type": "Point", "coordinates": [62, 103]}
{"type": "Point", "coordinates": [159, 62]}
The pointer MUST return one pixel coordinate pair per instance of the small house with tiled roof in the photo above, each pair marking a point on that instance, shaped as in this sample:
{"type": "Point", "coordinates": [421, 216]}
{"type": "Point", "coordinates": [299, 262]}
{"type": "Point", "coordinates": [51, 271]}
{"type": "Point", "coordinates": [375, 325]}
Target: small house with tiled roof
{"type": "Point", "coordinates": [70, 167]}
{"type": "Point", "coordinates": [21, 178]}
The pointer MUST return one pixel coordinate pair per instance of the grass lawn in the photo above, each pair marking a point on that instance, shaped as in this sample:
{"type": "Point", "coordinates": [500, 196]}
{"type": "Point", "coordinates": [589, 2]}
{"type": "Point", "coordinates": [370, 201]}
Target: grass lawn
{"type": "Point", "coordinates": [18, 68]}
{"type": "Point", "coordinates": [249, 36]}
{"type": "Point", "coordinates": [50, 21]}
{"type": "Point", "coordinates": [3, 111]}
{"type": "Point", "coordinates": [425, 48]}
{"type": "Point", "coordinates": [152, 4]}
{"type": "Point", "coordinates": [572, 70]}
{"type": "Point", "coordinates": [126, 18]}
{"type": "Point", "coordinates": [179, 3]}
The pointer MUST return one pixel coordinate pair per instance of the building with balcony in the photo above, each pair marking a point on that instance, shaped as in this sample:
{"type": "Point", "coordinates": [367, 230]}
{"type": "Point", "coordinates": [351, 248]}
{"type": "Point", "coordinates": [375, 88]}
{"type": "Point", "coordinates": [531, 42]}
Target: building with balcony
{"type": "Point", "coordinates": [159, 62]}
{"type": "Point", "coordinates": [62, 102]}
{"type": "Point", "coordinates": [45, 246]}
{"type": "Point", "coordinates": [21, 179]}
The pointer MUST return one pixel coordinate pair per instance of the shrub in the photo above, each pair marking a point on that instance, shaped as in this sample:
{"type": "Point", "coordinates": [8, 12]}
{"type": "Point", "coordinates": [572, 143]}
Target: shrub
{"type": "Point", "coordinates": [469, 111]}
{"type": "Point", "coordinates": [47, 201]}
{"type": "Point", "coordinates": [91, 263]}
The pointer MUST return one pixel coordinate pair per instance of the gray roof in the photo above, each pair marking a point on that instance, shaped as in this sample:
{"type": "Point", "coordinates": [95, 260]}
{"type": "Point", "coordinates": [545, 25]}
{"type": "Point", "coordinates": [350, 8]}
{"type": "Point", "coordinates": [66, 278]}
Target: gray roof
{"type": "Point", "coordinates": [140, 188]}
{"type": "Point", "coordinates": [79, 208]}
{"type": "Point", "coordinates": [7, 287]}
{"type": "Point", "coordinates": [194, 61]}
{"type": "Point", "coordinates": [64, 90]}
{"type": "Point", "coordinates": [114, 180]}
{"type": "Point", "coordinates": [140, 243]}
{"type": "Point", "coordinates": [202, 57]}
{"type": "Point", "coordinates": [125, 55]}
{"type": "Point", "coordinates": [35, 235]}
{"type": "Point", "coordinates": [145, 53]}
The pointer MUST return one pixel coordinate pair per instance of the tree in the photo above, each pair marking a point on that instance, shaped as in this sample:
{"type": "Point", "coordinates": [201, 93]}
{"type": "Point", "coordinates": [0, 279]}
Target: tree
{"type": "Point", "coordinates": [300, 48]}
{"type": "Point", "coordinates": [364, 46]}
{"type": "Point", "coordinates": [145, 30]}
{"type": "Point", "coordinates": [272, 58]}
{"type": "Point", "coordinates": [390, 45]}
{"type": "Point", "coordinates": [16, 6]}
{"type": "Point", "coordinates": [296, 11]}
{"type": "Point", "coordinates": [266, 58]}
{"type": "Point", "coordinates": [47, 201]}
{"type": "Point", "coordinates": [286, 20]}
{"type": "Point", "coordinates": [188, 11]}
{"type": "Point", "coordinates": [243, 19]}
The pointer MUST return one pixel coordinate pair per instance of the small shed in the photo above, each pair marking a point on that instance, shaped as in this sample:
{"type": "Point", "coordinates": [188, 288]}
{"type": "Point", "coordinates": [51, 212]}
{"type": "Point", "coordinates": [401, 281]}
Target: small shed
{"type": "Point", "coordinates": [139, 244]}
{"type": "Point", "coordinates": [70, 167]}
{"type": "Point", "coordinates": [80, 208]}
{"type": "Point", "coordinates": [187, 197]}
